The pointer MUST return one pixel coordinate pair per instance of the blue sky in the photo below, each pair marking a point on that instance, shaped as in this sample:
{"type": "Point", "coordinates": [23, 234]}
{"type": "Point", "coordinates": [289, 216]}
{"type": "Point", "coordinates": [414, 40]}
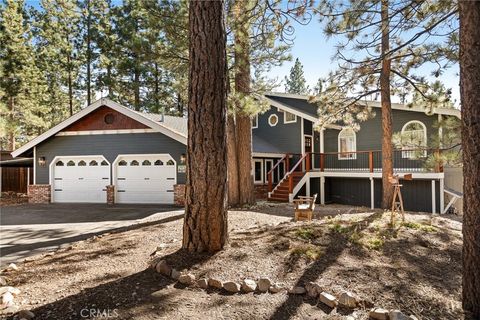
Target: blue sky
{"type": "Point", "coordinates": [315, 53]}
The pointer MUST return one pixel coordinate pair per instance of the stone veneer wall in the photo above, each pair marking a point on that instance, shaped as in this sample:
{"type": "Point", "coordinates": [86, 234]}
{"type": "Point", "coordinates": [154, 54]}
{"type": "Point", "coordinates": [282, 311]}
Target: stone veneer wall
{"type": "Point", "coordinates": [39, 193]}
{"type": "Point", "coordinates": [261, 191]}
{"type": "Point", "coordinates": [179, 194]}
{"type": "Point", "coordinates": [110, 194]}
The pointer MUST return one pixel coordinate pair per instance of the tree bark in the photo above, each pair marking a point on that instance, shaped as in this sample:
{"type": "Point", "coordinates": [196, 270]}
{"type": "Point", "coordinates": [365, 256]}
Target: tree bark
{"type": "Point", "coordinates": [470, 101]}
{"type": "Point", "coordinates": [205, 223]}
{"type": "Point", "coordinates": [89, 55]}
{"type": "Point", "coordinates": [387, 148]}
{"type": "Point", "coordinates": [243, 121]}
{"type": "Point", "coordinates": [232, 163]}
{"type": "Point", "coordinates": [70, 86]}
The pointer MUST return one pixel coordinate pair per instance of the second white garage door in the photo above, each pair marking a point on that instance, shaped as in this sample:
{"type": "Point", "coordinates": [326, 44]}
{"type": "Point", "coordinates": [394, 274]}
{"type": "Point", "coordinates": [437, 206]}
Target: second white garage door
{"type": "Point", "coordinates": [147, 178]}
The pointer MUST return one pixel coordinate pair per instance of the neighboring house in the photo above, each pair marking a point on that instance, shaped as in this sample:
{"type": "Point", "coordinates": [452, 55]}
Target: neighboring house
{"type": "Point", "coordinates": [110, 153]}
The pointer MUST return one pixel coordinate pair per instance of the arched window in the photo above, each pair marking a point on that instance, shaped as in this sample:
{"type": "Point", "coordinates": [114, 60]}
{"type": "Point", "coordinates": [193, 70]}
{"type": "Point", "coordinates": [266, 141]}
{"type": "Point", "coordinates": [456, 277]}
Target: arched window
{"type": "Point", "coordinates": [93, 163]}
{"type": "Point", "coordinates": [159, 163]}
{"type": "Point", "coordinates": [134, 163]}
{"type": "Point", "coordinates": [82, 163]}
{"type": "Point", "coordinates": [122, 163]}
{"type": "Point", "coordinates": [59, 163]}
{"type": "Point", "coordinates": [170, 163]}
{"type": "Point", "coordinates": [104, 163]}
{"type": "Point", "coordinates": [146, 163]}
{"type": "Point", "coordinates": [347, 144]}
{"type": "Point", "coordinates": [273, 120]}
{"type": "Point", "coordinates": [414, 139]}
{"type": "Point", "coordinates": [70, 163]}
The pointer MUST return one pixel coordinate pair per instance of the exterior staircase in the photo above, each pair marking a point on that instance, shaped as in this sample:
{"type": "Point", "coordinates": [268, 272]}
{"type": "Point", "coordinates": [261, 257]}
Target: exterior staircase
{"type": "Point", "coordinates": [282, 191]}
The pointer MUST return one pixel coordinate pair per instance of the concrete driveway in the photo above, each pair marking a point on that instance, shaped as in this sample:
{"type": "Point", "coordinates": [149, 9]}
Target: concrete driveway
{"type": "Point", "coordinates": [31, 229]}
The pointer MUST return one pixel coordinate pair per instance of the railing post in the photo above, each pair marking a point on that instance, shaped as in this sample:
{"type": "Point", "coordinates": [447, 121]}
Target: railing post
{"type": "Point", "coordinates": [290, 183]}
{"type": "Point", "coordinates": [322, 162]}
{"type": "Point", "coordinates": [370, 160]}
{"type": "Point", "coordinates": [270, 181]}
{"type": "Point", "coordinates": [287, 162]}
{"type": "Point", "coordinates": [308, 162]}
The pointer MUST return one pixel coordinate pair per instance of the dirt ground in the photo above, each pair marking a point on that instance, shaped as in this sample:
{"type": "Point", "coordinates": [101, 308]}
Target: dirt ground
{"type": "Point", "coordinates": [414, 267]}
{"type": "Point", "coordinates": [12, 198]}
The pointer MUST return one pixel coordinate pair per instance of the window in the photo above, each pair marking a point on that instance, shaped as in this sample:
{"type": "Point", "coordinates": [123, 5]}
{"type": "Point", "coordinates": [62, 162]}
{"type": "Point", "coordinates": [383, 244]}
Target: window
{"type": "Point", "coordinates": [82, 163]}
{"type": "Point", "coordinates": [109, 118]}
{"type": "Point", "coordinates": [273, 120]}
{"type": "Point", "coordinates": [414, 136]}
{"type": "Point", "coordinates": [146, 163]}
{"type": "Point", "coordinates": [158, 163]}
{"type": "Point", "coordinates": [105, 163]}
{"type": "Point", "coordinates": [258, 171]}
{"type": "Point", "coordinates": [122, 163]}
{"type": "Point", "coordinates": [347, 144]}
{"type": "Point", "coordinates": [134, 163]}
{"type": "Point", "coordinates": [59, 164]}
{"type": "Point", "coordinates": [93, 163]}
{"type": "Point", "coordinates": [170, 163]}
{"type": "Point", "coordinates": [289, 117]}
{"type": "Point", "coordinates": [255, 121]}
{"type": "Point", "coordinates": [268, 167]}
{"type": "Point", "coordinates": [70, 163]}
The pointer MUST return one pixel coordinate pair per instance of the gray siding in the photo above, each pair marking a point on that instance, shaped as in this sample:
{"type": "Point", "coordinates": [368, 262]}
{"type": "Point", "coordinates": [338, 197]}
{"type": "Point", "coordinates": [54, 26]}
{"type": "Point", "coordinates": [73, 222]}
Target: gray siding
{"type": "Point", "coordinates": [108, 145]}
{"type": "Point", "coordinates": [301, 105]}
{"type": "Point", "coordinates": [281, 138]}
{"type": "Point", "coordinates": [369, 137]}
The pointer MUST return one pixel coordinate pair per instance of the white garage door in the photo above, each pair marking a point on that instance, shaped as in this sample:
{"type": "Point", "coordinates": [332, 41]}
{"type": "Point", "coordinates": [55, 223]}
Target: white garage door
{"type": "Point", "coordinates": [145, 178]}
{"type": "Point", "coordinates": [80, 179]}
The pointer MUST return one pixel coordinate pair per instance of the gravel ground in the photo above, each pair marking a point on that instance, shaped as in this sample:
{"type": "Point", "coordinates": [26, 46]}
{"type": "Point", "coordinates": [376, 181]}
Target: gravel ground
{"type": "Point", "coordinates": [415, 267]}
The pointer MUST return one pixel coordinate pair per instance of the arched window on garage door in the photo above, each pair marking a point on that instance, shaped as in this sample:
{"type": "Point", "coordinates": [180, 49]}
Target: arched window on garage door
{"type": "Point", "coordinates": [159, 163]}
{"type": "Point", "coordinates": [146, 163]}
{"type": "Point", "coordinates": [93, 163]}
{"type": "Point", "coordinates": [59, 163]}
{"type": "Point", "coordinates": [70, 163]}
{"type": "Point", "coordinates": [82, 163]}
{"type": "Point", "coordinates": [122, 163]}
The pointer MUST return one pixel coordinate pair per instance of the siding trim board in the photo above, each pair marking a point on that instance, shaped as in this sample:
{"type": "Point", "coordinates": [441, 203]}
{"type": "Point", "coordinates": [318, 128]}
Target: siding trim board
{"type": "Point", "coordinates": [92, 132]}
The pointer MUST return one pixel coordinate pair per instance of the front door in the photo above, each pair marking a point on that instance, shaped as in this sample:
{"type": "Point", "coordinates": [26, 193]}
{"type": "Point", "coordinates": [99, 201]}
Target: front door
{"type": "Point", "coordinates": [308, 144]}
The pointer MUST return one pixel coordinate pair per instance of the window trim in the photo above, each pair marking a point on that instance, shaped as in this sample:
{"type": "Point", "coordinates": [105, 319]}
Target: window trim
{"type": "Point", "coordinates": [269, 119]}
{"type": "Point", "coordinates": [265, 176]}
{"type": "Point", "coordinates": [354, 156]}
{"type": "Point", "coordinates": [285, 117]}
{"type": "Point", "coordinates": [256, 121]}
{"type": "Point", "coordinates": [407, 154]}
{"type": "Point", "coordinates": [261, 171]}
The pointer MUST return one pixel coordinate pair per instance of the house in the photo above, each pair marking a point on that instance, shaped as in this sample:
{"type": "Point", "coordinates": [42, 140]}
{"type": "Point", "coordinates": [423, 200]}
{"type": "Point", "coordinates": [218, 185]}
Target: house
{"type": "Point", "coordinates": [110, 153]}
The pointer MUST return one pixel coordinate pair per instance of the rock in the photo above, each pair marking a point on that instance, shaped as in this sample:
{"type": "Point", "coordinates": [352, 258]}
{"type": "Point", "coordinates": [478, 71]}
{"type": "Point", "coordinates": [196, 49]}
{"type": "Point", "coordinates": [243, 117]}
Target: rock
{"type": "Point", "coordinates": [328, 299]}
{"type": "Point", "coordinates": [12, 290]}
{"type": "Point", "coordinates": [12, 266]}
{"type": "Point", "coordinates": [7, 300]}
{"type": "Point", "coordinates": [26, 314]}
{"type": "Point", "coordinates": [347, 299]}
{"type": "Point", "coordinates": [9, 310]}
{"type": "Point", "coordinates": [248, 285]}
{"type": "Point", "coordinates": [378, 314]}
{"type": "Point", "coordinates": [163, 268]}
{"type": "Point", "coordinates": [276, 288]}
{"type": "Point", "coordinates": [412, 317]}
{"type": "Point", "coordinates": [397, 315]}
{"type": "Point", "coordinates": [175, 274]}
{"type": "Point", "coordinates": [350, 318]}
{"type": "Point", "coordinates": [231, 286]}
{"type": "Point", "coordinates": [297, 290]}
{"type": "Point", "coordinates": [162, 246]}
{"type": "Point", "coordinates": [202, 283]}
{"type": "Point", "coordinates": [313, 289]}
{"type": "Point", "coordinates": [3, 281]}
{"type": "Point", "coordinates": [263, 284]}
{"type": "Point", "coordinates": [214, 283]}
{"type": "Point", "coordinates": [186, 279]}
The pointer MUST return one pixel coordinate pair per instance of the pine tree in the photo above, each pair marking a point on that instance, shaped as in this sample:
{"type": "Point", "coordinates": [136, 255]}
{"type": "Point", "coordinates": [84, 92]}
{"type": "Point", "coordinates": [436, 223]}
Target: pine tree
{"type": "Point", "coordinates": [21, 87]}
{"type": "Point", "coordinates": [405, 36]}
{"type": "Point", "coordinates": [318, 87]}
{"type": "Point", "coordinates": [469, 84]}
{"type": "Point", "coordinates": [295, 82]}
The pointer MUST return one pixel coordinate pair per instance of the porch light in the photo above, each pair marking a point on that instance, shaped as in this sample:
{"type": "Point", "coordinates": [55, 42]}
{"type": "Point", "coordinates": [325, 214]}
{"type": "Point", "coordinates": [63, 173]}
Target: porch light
{"type": "Point", "coordinates": [41, 161]}
{"type": "Point", "coordinates": [183, 158]}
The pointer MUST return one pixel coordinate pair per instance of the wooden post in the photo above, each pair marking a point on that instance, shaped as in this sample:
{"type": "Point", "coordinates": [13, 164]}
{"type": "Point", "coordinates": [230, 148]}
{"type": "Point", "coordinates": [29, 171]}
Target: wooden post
{"type": "Point", "coordinates": [270, 181]}
{"type": "Point", "coordinates": [322, 162]}
{"type": "Point", "coordinates": [370, 160]}
{"type": "Point", "coordinates": [287, 163]}
{"type": "Point", "coordinates": [308, 162]}
{"type": "Point", "coordinates": [290, 183]}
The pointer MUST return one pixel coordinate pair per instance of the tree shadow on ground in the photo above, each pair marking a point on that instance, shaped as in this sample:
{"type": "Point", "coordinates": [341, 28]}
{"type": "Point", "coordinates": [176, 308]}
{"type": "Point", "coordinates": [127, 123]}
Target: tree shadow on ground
{"type": "Point", "coordinates": [130, 292]}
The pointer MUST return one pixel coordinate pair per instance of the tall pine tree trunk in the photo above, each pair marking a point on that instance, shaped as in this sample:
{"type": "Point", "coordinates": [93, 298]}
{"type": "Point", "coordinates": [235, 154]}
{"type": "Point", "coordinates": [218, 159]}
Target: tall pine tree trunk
{"type": "Point", "coordinates": [470, 100]}
{"type": "Point", "coordinates": [243, 121]}
{"type": "Point", "coordinates": [11, 128]}
{"type": "Point", "coordinates": [387, 148]}
{"type": "Point", "coordinates": [205, 223]}
{"type": "Point", "coordinates": [70, 86]}
{"type": "Point", "coordinates": [233, 186]}
{"type": "Point", "coordinates": [89, 55]}
{"type": "Point", "coordinates": [136, 88]}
